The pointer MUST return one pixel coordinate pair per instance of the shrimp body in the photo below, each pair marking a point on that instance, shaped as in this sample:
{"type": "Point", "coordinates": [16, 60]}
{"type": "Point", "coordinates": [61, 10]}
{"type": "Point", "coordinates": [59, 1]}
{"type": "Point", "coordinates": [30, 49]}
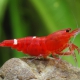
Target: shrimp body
{"type": "Point", "coordinates": [53, 44]}
{"type": "Point", "coordinates": [34, 46]}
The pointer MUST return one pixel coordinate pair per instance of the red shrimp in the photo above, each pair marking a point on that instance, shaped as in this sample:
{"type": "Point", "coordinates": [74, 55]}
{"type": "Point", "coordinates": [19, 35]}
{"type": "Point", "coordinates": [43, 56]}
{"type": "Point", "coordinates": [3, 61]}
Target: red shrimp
{"type": "Point", "coordinates": [53, 44]}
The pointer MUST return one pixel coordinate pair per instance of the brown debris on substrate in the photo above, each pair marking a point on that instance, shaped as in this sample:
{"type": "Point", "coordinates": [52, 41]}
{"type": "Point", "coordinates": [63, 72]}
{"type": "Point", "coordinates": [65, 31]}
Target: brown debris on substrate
{"type": "Point", "coordinates": [38, 69]}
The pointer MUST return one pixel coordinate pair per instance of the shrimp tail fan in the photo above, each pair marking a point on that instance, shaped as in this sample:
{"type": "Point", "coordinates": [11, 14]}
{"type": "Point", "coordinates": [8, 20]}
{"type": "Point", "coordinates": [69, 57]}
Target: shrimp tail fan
{"type": "Point", "coordinates": [6, 43]}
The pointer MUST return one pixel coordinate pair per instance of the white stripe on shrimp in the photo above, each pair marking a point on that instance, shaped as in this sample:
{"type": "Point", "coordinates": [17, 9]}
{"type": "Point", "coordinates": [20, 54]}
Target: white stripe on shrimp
{"type": "Point", "coordinates": [15, 42]}
{"type": "Point", "coordinates": [34, 36]}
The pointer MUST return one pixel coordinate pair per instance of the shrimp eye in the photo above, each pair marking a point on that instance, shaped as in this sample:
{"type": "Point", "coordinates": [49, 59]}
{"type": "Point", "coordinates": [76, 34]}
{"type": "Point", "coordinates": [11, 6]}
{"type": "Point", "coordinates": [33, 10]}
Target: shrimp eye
{"type": "Point", "coordinates": [67, 30]}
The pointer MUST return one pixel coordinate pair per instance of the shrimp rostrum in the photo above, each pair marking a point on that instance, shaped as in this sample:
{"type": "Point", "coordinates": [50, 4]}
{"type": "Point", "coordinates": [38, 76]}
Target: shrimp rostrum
{"type": "Point", "coordinates": [53, 44]}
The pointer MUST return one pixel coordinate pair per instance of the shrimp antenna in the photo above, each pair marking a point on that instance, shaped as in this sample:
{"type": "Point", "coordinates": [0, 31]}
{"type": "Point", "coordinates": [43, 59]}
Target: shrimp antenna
{"type": "Point", "coordinates": [75, 22]}
{"type": "Point", "coordinates": [74, 16]}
